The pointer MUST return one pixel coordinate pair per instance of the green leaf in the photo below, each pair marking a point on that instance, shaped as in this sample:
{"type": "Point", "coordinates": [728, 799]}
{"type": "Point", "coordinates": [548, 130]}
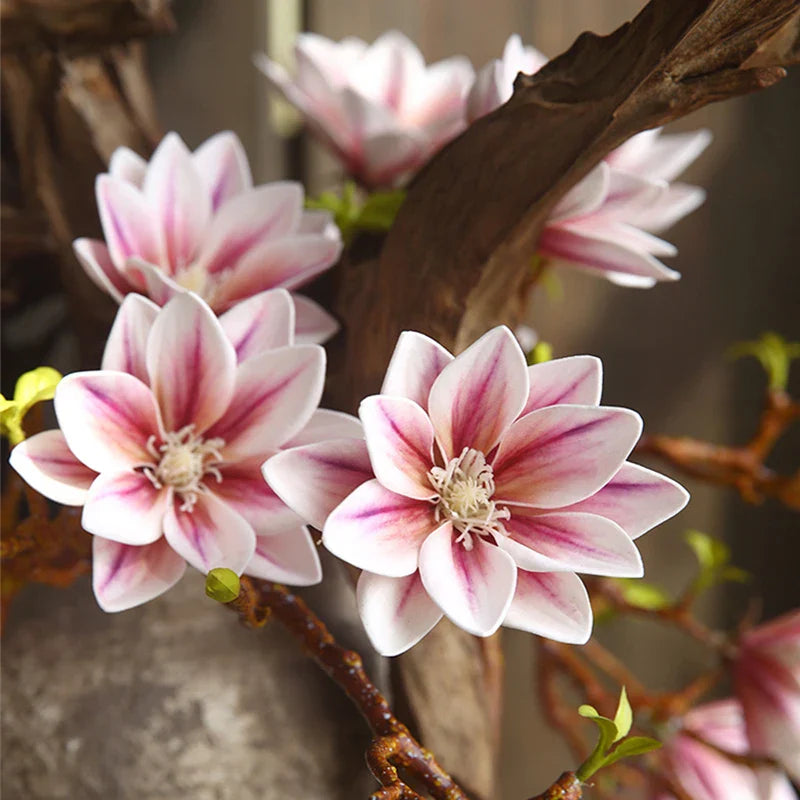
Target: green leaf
{"type": "Point", "coordinates": [635, 746]}
{"type": "Point", "coordinates": [608, 728]}
{"type": "Point", "coordinates": [641, 594]}
{"type": "Point", "coordinates": [32, 387]}
{"type": "Point", "coordinates": [623, 719]}
{"type": "Point", "coordinates": [774, 353]}
{"type": "Point", "coordinates": [380, 209]}
{"type": "Point", "coordinates": [222, 585]}
{"type": "Point", "coordinates": [710, 552]}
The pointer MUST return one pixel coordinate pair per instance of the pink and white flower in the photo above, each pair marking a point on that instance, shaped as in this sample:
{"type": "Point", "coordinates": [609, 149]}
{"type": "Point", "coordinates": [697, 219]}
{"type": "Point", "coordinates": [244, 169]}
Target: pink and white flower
{"type": "Point", "coordinates": [480, 488]}
{"type": "Point", "coordinates": [767, 681]}
{"type": "Point", "coordinates": [163, 446]}
{"type": "Point", "coordinates": [605, 224]}
{"type": "Point", "coordinates": [707, 774]}
{"type": "Point", "coordinates": [377, 107]}
{"type": "Point", "coordinates": [494, 83]}
{"type": "Point", "coordinates": [194, 221]}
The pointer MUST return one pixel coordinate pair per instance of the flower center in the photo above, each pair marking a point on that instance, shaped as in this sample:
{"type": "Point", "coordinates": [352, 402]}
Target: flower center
{"type": "Point", "coordinates": [182, 461]}
{"type": "Point", "coordinates": [196, 279]}
{"type": "Point", "coordinates": [464, 491]}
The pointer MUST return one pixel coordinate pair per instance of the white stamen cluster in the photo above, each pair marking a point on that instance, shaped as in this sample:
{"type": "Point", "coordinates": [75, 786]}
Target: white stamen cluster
{"type": "Point", "coordinates": [464, 490]}
{"type": "Point", "coordinates": [182, 461]}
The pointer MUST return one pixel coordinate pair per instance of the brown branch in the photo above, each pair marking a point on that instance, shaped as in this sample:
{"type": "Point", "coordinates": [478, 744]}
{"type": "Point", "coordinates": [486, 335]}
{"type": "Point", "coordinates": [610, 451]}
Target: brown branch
{"type": "Point", "coordinates": [394, 746]}
{"type": "Point", "coordinates": [567, 787]}
{"type": "Point", "coordinates": [741, 467]}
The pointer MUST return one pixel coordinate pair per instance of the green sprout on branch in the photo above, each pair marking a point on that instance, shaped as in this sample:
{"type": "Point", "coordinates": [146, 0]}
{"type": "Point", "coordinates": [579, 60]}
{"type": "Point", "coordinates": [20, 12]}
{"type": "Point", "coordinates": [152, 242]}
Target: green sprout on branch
{"type": "Point", "coordinates": [612, 731]}
{"type": "Point", "coordinates": [375, 213]}
{"type": "Point", "coordinates": [714, 558]}
{"type": "Point", "coordinates": [774, 353]}
{"type": "Point", "coordinates": [32, 387]}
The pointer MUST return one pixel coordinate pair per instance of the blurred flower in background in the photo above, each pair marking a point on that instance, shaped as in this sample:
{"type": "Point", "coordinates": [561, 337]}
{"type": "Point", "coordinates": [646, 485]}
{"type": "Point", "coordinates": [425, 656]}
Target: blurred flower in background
{"type": "Point", "coordinates": [194, 221]}
{"type": "Point", "coordinates": [379, 108]}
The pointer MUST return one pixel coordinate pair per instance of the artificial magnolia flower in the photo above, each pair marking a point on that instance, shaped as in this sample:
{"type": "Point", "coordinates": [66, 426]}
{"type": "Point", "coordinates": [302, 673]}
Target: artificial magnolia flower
{"type": "Point", "coordinates": [378, 107]}
{"type": "Point", "coordinates": [494, 83]}
{"type": "Point", "coordinates": [706, 774]}
{"type": "Point", "coordinates": [605, 224]}
{"type": "Point", "coordinates": [163, 446]}
{"type": "Point", "coordinates": [194, 221]}
{"type": "Point", "coordinates": [482, 486]}
{"type": "Point", "coordinates": [767, 680]}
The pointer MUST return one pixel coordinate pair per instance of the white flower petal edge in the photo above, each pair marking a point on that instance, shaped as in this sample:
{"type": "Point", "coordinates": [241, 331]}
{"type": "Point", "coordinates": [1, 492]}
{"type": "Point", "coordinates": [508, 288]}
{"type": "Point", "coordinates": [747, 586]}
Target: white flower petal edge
{"type": "Point", "coordinates": [396, 612]}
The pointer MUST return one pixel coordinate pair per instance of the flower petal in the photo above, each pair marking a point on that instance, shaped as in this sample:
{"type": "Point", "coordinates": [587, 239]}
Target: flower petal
{"type": "Point", "coordinates": [416, 363]}
{"type": "Point", "coordinates": [399, 439]}
{"type": "Point", "coordinates": [211, 535]}
{"type": "Point", "coordinates": [473, 587]}
{"type": "Point", "coordinates": [396, 612]}
{"type": "Point", "coordinates": [179, 200]}
{"type": "Point", "coordinates": [326, 424]}
{"type": "Point", "coordinates": [191, 363]}
{"type": "Point", "coordinates": [315, 478]}
{"type": "Point", "coordinates": [636, 498]}
{"type": "Point", "coordinates": [313, 324]}
{"type": "Point", "coordinates": [479, 394]}
{"type": "Point", "coordinates": [571, 541]}
{"type": "Point", "coordinates": [96, 260]}
{"type": "Point", "coordinates": [46, 463]}
{"type": "Point", "coordinates": [155, 283]}
{"type": "Point", "coordinates": [562, 454]}
{"type": "Point", "coordinates": [107, 419]}
{"type": "Point", "coordinates": [585, 197]}
{"type": "Point", "coordinates": [576, 380]}
{"type": "Point", "coordinates": [127, 166]}
{"type": "Point", "coordinates": [378, 530]}
{"type": "Point", "coordinates": [288, 262]}
{"type": "Point", "coordinates": [129, 226]}
{"type": "Point", "coordinates": [586, 247]}
{"type": "Point", "coordinates": [223, 167]}
{"type": "Point", "coordinates": [125, 507]}
{"type": "Point", "coordinates": [274, 397]}
{"type": "Point", "coordinates": [262, 322]}
{"type": "Point", "coordinates": [674, 204]}
{"type": "Point", "coordinates": [124, 576]}
{"type": "Point", "coordinates": [288, 556]}
{"type": "Point", "coordinates": [242, 487]}
{"type": "Point", "coordinates": [658, 155]}
{"type": "Point", "coordinates": [551, 604]}
{"type": "Point", "coordinates": [126, 348]}
{"type": "Point", "coordinates": [250, 219]}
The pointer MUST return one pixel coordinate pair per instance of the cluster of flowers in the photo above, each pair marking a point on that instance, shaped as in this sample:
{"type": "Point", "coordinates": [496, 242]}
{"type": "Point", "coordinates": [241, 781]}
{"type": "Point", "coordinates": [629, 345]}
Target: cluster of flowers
{"type": "Point", "coordinates": [473, 486]}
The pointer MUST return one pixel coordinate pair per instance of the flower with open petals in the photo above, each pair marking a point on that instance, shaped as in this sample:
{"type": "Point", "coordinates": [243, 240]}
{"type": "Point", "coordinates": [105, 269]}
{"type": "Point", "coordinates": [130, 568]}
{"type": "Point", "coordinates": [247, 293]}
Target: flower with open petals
{"type": "Point", "coordinates": [605, 224]}
{"type": "Point", "coordinates": [380, 109]}
{"type": "Point", "coordinates": [481, 487]}
{"type": "Point", "coordinates": [194, 221]}
{"type": "Point", "coordinates": [706, 774]}
{"type": "Point", "coordinates": [163, 446]}
{"type": "Point", "coordinates": [767, 681]}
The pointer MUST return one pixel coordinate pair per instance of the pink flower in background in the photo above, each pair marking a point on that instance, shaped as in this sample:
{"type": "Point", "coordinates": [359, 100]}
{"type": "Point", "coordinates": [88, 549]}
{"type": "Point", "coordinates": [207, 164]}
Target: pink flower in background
{"type": "Point", "coordinates": [378, 107]}
{"type": "Point", "coordinates": [163, 446]}
{"type": "Point", "coordinates": [494, 83]}
{"type": "Point", "coordinates": [194, 221]}
{"type": "Point", "coordinates": [605, 224]}
{"type": "Point", "coordinates": [767, 681]}
{"type": "Point", "coordinates": [480, 488]}
{"type": "Point", "coordinates": [706, 774]}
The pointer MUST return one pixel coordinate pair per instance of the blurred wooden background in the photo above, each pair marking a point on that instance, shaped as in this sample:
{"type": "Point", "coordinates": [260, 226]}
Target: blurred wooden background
{"type": "Point", "coordinates": [663, 351]}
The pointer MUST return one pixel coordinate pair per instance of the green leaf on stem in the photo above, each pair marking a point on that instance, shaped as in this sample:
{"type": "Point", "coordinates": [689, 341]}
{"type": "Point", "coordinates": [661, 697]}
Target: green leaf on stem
{"type": "Point", "coordinates": [713, 556]}
{"type": "Point", "coordinates": [612, 731]}
{"type": "Point", "coordinates": [32, 387]}
{"type": "Point", "coordinates": [641, 594]}
{"type": "Point", "coordinates": [775, 355]}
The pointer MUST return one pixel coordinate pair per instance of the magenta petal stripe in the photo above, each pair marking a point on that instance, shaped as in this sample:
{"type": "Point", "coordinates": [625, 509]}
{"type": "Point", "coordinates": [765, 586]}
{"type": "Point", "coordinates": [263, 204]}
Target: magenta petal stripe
{"type": "Point", "coordinates": [126, 348]}
{"type": "Point", "coordinates": [124, 576]}
{"type": "Point", "coordinates": [260, 323]}
{"type": "Point", "coordinates": [562, 454]}
{"type": "Point", "coordinates": [574, 380]}
{"type": "Point", "coordinates": [107, 419]}
{"type": "Point", "coordinates": [379, 530]}
{"type": "Point", "coordinates": [399, 439]}
{"type": "Point", "coordinates": [416, 363]}
{"type": "Point", "coordinates": [396, 612]}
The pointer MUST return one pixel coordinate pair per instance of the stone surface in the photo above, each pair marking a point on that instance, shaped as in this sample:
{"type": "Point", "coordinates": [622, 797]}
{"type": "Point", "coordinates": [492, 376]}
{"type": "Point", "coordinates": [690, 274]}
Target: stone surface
{"type": "Point", "coordinates": [174, 699]}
